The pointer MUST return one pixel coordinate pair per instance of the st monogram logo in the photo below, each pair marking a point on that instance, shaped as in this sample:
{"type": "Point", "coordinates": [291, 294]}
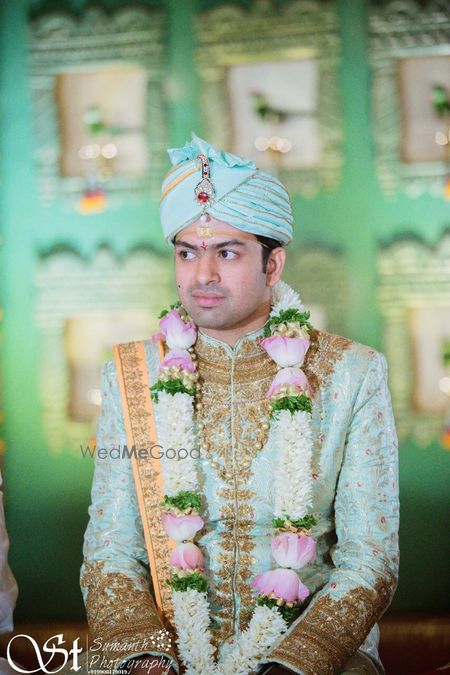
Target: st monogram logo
{"type": "Point", "coordinates": [50, 649]}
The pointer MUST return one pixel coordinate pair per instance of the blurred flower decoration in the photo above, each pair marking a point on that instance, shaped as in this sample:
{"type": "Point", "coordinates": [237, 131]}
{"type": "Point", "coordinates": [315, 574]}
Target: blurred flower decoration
{"type": "Point", "coordinates": [98, 153]}
{"type": "Point", "coordinates": [273, 144]}
{"type": "Point", "coordinates": [440, 99]}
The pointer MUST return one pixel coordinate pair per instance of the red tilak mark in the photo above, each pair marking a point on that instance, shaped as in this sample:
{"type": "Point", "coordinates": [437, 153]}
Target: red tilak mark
{"type": "Point", "coordinates": [204, 245]}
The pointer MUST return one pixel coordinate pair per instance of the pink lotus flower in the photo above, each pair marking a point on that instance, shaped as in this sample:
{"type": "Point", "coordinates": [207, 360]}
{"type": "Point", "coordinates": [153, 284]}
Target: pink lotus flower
{"type": "Point", "coordinates": [291, 377]}
{"type": "Point", "coordinates": [286, 351]}
{"type": "Point", "coordinates": [177, 333]}
{"type": "Point", "coordinates": [283, 583]}
{"type": "Point", "coordinates": [187, 556]}
{"type": "Point", "coordinates": [290, 550]}
{"type": "Point", "coordinates": [180, 358]}
{"type": "Point", "coordinates": [181, 528]}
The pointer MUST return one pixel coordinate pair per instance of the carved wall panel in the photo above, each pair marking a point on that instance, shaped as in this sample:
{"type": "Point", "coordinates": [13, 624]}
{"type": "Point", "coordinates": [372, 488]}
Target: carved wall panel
{"type": "Point", "coordinates": [229, 36]}
{"type": "Point", "coordinates": [82, 308]}
{"type": "Point", "coordinates": [61, 44]}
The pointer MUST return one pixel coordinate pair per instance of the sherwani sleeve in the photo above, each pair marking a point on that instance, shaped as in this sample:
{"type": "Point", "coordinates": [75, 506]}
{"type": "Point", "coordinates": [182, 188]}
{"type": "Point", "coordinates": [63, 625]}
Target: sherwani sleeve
{"type": "Point", "coordinates": [365, 557]}
{"type": "Point", "coordinates": [115, 582]}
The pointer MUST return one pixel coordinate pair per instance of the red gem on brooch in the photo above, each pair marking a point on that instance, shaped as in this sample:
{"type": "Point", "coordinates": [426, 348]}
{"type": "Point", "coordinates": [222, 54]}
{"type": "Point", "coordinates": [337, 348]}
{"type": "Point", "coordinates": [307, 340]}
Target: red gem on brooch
{"type": "Point", "coordinates": [203, 197]}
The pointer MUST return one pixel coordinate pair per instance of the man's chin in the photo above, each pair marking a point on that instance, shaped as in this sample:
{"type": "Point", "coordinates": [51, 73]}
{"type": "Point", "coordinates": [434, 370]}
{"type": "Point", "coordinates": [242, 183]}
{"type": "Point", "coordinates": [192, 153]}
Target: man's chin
{"type": "Point", "coordinates": [208, 317]}
{"type": "Point", "coordinates": [210, 322]}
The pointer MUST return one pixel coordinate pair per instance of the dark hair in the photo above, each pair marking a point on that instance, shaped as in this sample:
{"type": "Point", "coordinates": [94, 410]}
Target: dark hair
{"type": "Point", "coordinates": [267, 246]}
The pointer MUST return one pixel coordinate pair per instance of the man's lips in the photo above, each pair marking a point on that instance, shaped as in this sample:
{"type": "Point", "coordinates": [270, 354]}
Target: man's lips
{"type": "Point", "coordinates": [207, 299]}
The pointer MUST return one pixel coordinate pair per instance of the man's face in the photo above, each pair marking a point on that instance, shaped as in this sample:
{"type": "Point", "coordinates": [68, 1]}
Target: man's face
{"type": "Point", "coordinates": [220, 278]}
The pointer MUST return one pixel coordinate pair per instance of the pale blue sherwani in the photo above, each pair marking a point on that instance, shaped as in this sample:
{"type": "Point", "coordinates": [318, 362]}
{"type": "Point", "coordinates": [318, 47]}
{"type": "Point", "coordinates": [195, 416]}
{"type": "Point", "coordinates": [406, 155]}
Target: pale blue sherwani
{"type": "Point", "coordinates": [355, 500]}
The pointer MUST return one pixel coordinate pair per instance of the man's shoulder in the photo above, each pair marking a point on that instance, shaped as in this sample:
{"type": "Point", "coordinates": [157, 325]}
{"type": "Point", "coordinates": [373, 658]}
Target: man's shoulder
{"type": "Point", "coordinates": [330, 354]}
{"type": "Point", "coordinates": [334, 344]}
{"type": "Point", "coordinates": [109, 380]}
{"type": "Point", "coordinates": [109, 368]}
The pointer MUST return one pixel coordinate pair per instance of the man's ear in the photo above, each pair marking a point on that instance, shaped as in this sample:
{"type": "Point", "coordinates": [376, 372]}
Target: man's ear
{"type": "Point", "coordinates": [275, 265]}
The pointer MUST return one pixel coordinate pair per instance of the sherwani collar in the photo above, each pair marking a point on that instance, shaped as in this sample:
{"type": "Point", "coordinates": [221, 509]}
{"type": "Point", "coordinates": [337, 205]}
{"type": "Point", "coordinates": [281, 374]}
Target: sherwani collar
{"type": "Point", "coordinates": [245, 363]}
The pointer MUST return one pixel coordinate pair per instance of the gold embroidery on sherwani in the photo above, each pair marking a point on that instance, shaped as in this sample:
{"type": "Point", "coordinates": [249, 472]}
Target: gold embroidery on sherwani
{"type": "Point", "coordinates": [236, 433]}
{"type": "Point", "coordinates": [234, 406]}
{"type": "Point", "coordinates": [233, 394]}
{"type": "Point", "coordinates": [120, 613]}
{"type": "Point", "coordinates": [131, 366]}
{"type": "Point", "coordinates": [332, 630]}
{"type": "Point", "coordinates": [324, 351]}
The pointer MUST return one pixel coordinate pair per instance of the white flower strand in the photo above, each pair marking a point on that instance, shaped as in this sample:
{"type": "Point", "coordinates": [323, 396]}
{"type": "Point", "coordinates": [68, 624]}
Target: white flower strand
{"type": "Point", "coordinates": [294, 442]}
{"type": "Point", "coordinates": [284, 297]}
{"type": "Point", "coordinates": [175, 419]}
{"type": "Point", "coordinates": [194, 638]}
{"type": "Point", "coordinates": [255, 643]}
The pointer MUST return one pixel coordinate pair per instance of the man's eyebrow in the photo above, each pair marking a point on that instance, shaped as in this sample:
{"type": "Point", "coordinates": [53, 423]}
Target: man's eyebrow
{"type": "Point", "coordinates": [221, 244]}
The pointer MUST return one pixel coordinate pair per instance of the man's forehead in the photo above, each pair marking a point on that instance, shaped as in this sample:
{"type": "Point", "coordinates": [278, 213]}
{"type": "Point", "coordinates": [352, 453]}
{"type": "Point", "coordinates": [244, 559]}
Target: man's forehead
{"type": "Point", "coordinates": [213, 232]}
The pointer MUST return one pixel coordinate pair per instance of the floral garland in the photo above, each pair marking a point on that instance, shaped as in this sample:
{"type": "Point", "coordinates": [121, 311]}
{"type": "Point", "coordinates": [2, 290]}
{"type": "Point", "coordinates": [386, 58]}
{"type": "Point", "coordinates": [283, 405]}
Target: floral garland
{"type": "Point", "coordinates": [281, 592]}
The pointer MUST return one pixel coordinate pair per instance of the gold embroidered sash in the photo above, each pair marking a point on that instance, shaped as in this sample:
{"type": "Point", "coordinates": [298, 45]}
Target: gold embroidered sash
{"type": "Point", "coordinates": [140, 425]}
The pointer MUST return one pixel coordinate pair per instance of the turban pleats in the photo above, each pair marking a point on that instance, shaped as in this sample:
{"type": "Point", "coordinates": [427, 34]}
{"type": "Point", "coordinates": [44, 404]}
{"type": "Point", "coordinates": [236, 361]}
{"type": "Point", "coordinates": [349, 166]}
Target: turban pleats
{"type": "Point", "coordinates": [245, 197]}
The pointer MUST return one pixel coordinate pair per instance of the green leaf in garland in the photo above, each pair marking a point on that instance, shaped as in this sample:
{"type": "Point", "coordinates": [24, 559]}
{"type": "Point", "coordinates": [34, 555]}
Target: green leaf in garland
{"type": "Point", "coordinates": [171, 387]}
{"type": "Point", "coordinates": [184, 500]}
{"type": "Point", "coordinates": [292, 403]}
{"type": "Point", "coordinates": [289, 614]}
{"type": "Point", "coordinates": [286, 316]}
{"type": "Point", "coordinates": [307, 522]}
{"type": "Point", "coordinates": [195, 580]}
{"type": "Point", "coordinates": [164, 312]}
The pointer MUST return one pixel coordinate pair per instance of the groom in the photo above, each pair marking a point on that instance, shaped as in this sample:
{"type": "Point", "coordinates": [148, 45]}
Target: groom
{"type": "Point", "coordinates": [228, 224]}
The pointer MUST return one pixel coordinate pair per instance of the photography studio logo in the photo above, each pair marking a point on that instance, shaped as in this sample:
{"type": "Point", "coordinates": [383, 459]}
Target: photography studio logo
{"type": "Point", "coordinates": [100, 657]}
{"type": "Point", "coordinates": [52, 648]}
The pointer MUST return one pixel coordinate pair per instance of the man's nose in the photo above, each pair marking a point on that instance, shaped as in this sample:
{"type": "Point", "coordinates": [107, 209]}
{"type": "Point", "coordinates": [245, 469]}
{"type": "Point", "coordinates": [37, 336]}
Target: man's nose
{"type": "Point", "coordinates": [207, 270]}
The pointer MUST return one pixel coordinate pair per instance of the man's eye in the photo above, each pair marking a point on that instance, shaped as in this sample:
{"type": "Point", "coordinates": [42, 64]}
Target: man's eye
{"type": "Point", "coordinates": [186, 255]}
{"type": "Point", "coordinates": [228, 255]}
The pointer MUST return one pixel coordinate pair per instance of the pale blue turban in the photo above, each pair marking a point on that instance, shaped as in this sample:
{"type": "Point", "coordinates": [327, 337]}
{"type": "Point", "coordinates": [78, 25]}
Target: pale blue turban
{"type": "Point", "coordinates": [245, 197]}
